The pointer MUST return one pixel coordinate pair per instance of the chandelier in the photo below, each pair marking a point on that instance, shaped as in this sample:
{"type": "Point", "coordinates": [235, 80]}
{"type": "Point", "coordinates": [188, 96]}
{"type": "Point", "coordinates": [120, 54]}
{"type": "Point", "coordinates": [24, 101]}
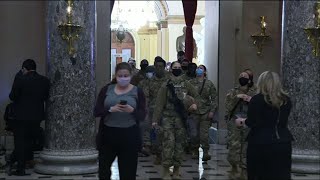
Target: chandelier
{"type": "Point", "coordinates": [132, 15]}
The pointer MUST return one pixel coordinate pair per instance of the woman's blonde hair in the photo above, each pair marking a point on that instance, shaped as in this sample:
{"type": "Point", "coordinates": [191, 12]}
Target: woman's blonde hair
{"type": "Point", "coordinates": [269, 85]}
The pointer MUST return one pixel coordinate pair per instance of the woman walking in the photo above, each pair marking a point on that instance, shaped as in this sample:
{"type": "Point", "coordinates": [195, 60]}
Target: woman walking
{"type": "Point", "coordinates": [121, 106]}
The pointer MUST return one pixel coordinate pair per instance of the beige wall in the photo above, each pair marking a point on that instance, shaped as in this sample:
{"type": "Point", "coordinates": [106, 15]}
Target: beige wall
{"type": "Point", "coordinates": [148, 46]}
{"type": "Point", "coordinates": [239, 20]}
{"type": "Point", "coordinates": [22, 36]}
{"type": "Point", "coordinates": [246, 51]}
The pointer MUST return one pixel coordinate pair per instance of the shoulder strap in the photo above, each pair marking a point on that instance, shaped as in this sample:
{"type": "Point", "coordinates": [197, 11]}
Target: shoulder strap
{"type": "Point", "coordinates": [204, 81]}
{"type": "Point", "coordinates": [234, 108]}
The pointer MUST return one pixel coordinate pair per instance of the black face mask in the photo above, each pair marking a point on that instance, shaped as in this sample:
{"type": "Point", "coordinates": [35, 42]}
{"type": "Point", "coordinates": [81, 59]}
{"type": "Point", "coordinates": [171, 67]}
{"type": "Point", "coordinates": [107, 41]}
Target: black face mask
{"type": "Point", "coordinates": [191, 73]}
{"type": "Point", "coordinates": [243, 81]}
{"type": "Point", "coordinates": [184, 68]}
{"type": "Point", "coordinates": [176, 72]}
{"type": "Point", "coordinates": [143, 66]}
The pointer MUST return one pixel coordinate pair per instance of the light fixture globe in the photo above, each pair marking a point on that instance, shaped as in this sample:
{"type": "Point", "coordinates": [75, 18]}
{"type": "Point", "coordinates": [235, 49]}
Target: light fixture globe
{"type": "Point", "coordinates": [120, 33]}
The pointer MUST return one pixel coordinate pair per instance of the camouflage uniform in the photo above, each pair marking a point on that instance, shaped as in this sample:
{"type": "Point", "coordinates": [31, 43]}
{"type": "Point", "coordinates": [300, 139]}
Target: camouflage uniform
{"type": "Point", "coordinates": [150, 88]}
{"type": "Point", "coordinates": [174, 132]}
{"type": "Point", "coordinates": [186, 77]}
{"type": "Point", "coordinates": [188, 146]}
{"type": "Point", "coordinates": [138, 77]}
{"type": "Point", "coordinates": [200, 123]}
{"type": "Point", "coordinates": [236, 143]}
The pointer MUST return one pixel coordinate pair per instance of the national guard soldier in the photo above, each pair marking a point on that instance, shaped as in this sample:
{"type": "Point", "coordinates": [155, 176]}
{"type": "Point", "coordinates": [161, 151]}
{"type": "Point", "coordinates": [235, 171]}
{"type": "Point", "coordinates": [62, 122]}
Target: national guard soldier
{"type": "Point", "coordinates": [151, 87]}
{"type": "Point", "coordinates": [139, 76]}
{"type": "Point", "coordinates": [200, 121]}
{"type": "Point", "coordinates": [169, 103]}
{"type": "Point", "coordinates": [236, 106]}
{"type": "Point", "coordinates": [191, 72]}
{"type": "Point", "coordinates": [146, 125]}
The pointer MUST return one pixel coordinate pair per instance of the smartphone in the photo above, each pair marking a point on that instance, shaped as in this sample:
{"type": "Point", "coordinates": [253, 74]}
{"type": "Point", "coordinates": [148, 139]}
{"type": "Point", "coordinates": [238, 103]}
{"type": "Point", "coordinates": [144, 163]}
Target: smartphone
{"type": "Point", "coordinates": [123, 102]}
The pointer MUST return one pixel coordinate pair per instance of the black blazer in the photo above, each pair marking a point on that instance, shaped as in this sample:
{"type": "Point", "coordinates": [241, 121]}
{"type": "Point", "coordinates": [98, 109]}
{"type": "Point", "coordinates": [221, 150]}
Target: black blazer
{"type": "Point", "coordinates": [29, 93]}
{"type": "Point", "coordinates": [262, 119]}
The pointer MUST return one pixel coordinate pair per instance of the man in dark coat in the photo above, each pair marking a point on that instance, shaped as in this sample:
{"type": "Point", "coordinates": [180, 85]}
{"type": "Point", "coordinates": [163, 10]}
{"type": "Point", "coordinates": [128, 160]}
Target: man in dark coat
{"type": "Point", "coordinates": [29, 93]}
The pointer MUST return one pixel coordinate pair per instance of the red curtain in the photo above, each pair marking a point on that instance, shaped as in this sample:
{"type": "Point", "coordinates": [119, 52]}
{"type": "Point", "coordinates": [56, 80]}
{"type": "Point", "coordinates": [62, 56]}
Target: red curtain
{"type": "Point", "coordinates": [190, 10]}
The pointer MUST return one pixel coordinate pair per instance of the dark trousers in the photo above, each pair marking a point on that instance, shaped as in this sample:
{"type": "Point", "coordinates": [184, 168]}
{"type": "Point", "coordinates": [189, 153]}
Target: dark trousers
{"type": "Point", "coordinates": [24, 133]}
{"type": "Point", "coordinates": [269, 161]}
{"type": "Point", "coordinates": [123, 143]}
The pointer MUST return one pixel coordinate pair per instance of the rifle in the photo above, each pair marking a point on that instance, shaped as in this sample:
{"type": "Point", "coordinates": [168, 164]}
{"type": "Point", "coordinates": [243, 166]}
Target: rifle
{"type": "Point", "coordinates": [178, 105]}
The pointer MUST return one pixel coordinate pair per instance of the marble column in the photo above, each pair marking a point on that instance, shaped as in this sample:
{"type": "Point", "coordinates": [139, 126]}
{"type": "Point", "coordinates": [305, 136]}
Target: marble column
{"type": "Point", "coordinates": [70, 125]}
{"type": "Point", "coordinates": [301, 78]}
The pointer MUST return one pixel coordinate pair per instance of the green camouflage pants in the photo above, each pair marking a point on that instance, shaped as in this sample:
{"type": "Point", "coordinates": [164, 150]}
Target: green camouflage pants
{"type": "Point", "coordinates": [237, 145]}
{"type": "Point", "coordinates": [174, 135]}
{"type": "Point", "coordinates": [146, 128]}
{"type": "Point", "coordinates": [199, 131]}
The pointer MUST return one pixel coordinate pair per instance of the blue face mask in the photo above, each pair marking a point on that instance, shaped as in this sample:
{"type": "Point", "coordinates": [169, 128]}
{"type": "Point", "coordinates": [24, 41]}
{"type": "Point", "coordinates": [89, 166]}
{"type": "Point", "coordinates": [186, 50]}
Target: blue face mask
{"type": "Point", "coordinates": [199, 72]}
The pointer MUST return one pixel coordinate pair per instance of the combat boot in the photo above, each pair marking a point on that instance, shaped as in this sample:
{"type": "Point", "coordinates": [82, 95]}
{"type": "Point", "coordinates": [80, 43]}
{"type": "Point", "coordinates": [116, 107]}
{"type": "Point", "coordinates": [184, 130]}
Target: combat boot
{"type": "Point", "coordinates": [233, 174]}
{"type": "Point", "coordinates": [166, 173]}
{"type": "Point", "coordinates": [176, 173]}
{"type": "Point", "coordinates": [206, 156]}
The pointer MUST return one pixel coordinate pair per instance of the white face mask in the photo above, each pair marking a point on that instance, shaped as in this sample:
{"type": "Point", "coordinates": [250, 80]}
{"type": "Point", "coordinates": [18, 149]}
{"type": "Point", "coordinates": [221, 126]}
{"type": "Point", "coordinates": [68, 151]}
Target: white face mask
{"type": "Point", "coordinates": [149, 75]}
{"type": "Point", "coordinates": [123, 81]}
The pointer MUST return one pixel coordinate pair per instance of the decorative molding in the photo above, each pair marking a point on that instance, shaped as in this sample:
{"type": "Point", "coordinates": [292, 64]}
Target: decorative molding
{"type": "Point", "coordinates": [164, 24]}
{"type": "Point", "coordinates": [161, 9]}
{"type": "Point", "coordinates": [147, 31]}
{"type": "Point", "coordinates": [179, 19]}
{"type": "Point", "coordinates": [164, 6]}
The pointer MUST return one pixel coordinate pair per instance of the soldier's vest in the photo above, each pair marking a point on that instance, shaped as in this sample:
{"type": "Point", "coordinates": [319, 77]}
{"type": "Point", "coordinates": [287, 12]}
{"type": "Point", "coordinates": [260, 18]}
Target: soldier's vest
{"type": "Point", "coordinates": [181, 91]}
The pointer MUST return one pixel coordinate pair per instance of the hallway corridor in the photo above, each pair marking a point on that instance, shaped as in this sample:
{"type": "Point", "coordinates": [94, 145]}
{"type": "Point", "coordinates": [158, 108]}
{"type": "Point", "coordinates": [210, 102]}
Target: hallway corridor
{"type": "Point", "coordinates": [215, 169]}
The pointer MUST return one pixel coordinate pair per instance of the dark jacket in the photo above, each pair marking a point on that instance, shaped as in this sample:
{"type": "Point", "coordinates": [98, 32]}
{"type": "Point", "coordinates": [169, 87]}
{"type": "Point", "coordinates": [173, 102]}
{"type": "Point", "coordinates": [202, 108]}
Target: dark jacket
{"type": "Point", "coordinates": [262, 119]}
{"type": "Point", "coordinates": [102, 112]}
{"type": "Point", "coordinates": [29, 93]}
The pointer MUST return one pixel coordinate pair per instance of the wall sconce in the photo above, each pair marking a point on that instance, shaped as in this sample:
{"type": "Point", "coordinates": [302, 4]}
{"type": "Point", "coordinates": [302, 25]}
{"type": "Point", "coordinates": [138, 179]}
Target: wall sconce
{"type": "Point", "coordinates": [260, 39]}
{"type": "Point", "coordinates": [313, 33]}
{"type": "Point", "coordinates": [70, 31]}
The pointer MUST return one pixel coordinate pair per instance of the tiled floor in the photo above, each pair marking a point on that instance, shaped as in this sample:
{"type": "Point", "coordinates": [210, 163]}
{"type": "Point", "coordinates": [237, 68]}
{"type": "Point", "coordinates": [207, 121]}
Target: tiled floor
{"type": "Point", "coordinates": [215, 169]}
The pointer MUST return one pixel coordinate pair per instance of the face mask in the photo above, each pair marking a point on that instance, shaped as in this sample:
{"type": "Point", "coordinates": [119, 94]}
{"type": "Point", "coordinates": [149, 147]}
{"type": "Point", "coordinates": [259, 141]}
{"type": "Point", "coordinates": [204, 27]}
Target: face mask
{"type": "Point", "coordinates": [199, 72]}
{"type": "Point", "coordinates": [123, 81]}
{"type": "Point", "coordinates": [184, 68]}
{"type": "Point", "coordinates": [243, 81]}
{"type": "Point", "coordinates": [149, 75]}
{"type": "Point", "coordinates": [176, 72]}
{"type": "Point", "coordinates": [143, 66]}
